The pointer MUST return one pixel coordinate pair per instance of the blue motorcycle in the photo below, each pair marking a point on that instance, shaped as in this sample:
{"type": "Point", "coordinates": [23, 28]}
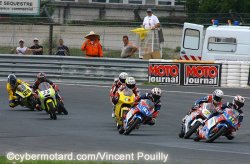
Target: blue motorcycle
{"type": "Point", "coordinates": [140, 114]}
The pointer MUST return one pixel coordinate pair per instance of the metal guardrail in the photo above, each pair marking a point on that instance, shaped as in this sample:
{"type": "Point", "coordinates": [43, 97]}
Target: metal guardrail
{"type": "Point", "coordinates": [72, 69]}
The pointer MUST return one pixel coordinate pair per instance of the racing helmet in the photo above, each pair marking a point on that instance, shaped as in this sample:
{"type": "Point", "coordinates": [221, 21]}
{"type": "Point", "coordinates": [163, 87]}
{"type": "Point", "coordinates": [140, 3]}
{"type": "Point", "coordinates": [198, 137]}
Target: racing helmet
{"type": "Point", "coordinates": [156, 93]}
{"type": "Point", "coordinates": [41, 76]}
{"type": "Point", "coordinates": [130, 82]}
{"type": "Point", "coordinates": [122, 77]}
{"type": "Point", "coordinates": [238, 101]}
{"type": "Point", "coordinates": [218, 95]}
{"type": "Point", "coordinates": [12, 80]}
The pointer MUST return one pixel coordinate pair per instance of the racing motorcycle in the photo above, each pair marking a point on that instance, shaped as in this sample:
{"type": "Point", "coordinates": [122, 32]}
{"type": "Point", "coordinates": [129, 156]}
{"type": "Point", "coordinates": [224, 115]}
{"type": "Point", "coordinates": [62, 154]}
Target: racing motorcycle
{"type": "Point", "coordinates": [126, 100]}
{"type": "Point", "coordinates": [140, 114]}
{"type": "Point", "coordinates": [195, 119]}
{"type": "Point", "coordinates": [49, 102]}
{"type": "Point", "coordinates": [26, 96]}
{"type": "Point", "coordinates": [219, 125]}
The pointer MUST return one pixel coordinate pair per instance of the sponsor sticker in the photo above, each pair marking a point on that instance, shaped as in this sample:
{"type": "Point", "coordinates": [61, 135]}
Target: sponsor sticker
{"type": "Point", "coordinates": [202, 74]}
{"type": "Point", "coordinates": [164, 73]}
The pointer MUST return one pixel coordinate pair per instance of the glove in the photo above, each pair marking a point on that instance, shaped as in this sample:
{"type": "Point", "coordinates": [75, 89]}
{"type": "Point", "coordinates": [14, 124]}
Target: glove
{"type": "Point", "coordinates": [15, 97]}
{"type": "Point", "coordinates": [196, 106]}
{"type": "Point", "coordinates": [137, 98]}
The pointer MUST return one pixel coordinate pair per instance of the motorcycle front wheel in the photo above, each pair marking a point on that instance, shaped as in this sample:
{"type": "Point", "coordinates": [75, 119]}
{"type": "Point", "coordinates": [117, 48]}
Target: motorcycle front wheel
{"type": "Point", "coordinates": [132, 127]}
{"type": "Point", "coordinates": [52, 111]}
{"type": "Point", "coordinates": [217, 135]}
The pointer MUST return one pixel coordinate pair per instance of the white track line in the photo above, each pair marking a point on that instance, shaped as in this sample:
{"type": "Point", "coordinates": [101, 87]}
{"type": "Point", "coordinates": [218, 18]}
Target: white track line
{"type": "Point", "coordinates": [104, 86]}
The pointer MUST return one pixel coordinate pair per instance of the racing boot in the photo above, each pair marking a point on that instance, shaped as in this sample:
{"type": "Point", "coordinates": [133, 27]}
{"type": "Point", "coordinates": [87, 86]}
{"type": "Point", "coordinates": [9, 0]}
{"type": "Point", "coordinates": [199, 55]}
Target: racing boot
{"type": "Point", "coordinates": [113, 112]}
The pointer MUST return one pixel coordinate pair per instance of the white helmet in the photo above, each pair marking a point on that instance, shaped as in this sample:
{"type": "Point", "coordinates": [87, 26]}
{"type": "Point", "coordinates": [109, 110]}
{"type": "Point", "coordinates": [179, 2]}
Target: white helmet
{"type": "Point", "coordinates": [238, 101]}
{"type": "Point", "coordinates": [123, 76]}
{"type": "Point", "coordinates": [130, 82]}
{"type": "Point", "coordinates": [218, 95]}
{"type": "Point", "coordinates": [156, 93]}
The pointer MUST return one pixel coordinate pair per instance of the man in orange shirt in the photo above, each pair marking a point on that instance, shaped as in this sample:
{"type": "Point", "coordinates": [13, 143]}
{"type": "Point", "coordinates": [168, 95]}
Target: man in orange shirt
{"type": "Point", "coordinates": [92, 45]}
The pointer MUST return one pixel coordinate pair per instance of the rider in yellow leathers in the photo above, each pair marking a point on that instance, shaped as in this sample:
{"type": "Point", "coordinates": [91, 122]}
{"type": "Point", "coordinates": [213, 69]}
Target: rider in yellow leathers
{"type": "Point", "coordinates": [11, 87]}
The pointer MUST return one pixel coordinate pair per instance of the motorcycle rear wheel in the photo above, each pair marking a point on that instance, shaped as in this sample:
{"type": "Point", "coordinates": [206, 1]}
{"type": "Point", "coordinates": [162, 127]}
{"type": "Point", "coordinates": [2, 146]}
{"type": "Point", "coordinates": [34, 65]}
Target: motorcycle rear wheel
{"type": "Point", "coordinates": [62, 108]}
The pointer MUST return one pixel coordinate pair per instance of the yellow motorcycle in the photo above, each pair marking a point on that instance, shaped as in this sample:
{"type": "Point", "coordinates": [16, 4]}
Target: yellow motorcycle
{"type": "Point", "coordinates": [26, 96]}
{"type": "Point", "coordinates": [126, 101]}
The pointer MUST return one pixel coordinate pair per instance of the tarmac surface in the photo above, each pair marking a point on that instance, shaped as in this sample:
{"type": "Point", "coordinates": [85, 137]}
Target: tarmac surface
{"type": "Point", "coordinates": [89, 128]}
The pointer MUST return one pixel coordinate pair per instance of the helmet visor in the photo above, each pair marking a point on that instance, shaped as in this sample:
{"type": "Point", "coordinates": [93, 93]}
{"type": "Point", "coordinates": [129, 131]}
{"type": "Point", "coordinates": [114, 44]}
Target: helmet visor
{"type": "Point", "coordinates": [122, 80]}
{"type": "Point", "coordinates": [156, 97]}
{"type": "Point", "coordinates": [130, 86]}
{"type": "Point", "coordinates": [239, 104]}
{"type": "Point", "coordinates": [217, 99]}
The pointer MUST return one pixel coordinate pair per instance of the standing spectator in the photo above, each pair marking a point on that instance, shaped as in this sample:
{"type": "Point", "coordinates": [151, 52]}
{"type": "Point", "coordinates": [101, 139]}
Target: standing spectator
{"type": "Point", "coordinates": [151, 21]}
{"type": "Point", "coordinates": [128, 48]}
{"type": "Point", "coordinates": [36, 48]}
{"type": "Point", "coordinates": [92, 45]}
{"type": "Point", "coordinates": [62, 50]}
{"type": "Point", "coordinates": [21, 50]}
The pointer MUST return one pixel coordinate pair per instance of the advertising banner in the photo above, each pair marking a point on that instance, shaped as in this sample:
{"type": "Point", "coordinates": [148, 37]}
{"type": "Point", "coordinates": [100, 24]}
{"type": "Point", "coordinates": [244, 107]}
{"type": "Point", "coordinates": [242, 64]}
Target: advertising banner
{"type": "Point", "coordinates": [20, 7]}
{"type": "Point", "coordinates": [164, 73]}
{"type": "Point", "coordinates": [202, 74]}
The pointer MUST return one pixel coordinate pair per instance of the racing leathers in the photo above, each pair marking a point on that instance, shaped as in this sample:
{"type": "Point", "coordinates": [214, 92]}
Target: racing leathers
{"type": "Point", "coordinates": [157, 107]}
{"type": "Point", "coordinates": [116, 85]}
{"type": "Point", "coordinates": [38, 82]}
{"type": "Point", "coordinates": [13, 99]}
{"type": "Point", "coordinates": [231, 135]}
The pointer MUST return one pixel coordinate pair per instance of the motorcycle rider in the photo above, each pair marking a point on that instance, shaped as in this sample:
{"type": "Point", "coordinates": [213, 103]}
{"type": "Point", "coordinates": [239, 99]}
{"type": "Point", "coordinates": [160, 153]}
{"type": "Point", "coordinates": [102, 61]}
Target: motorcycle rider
{"type": "Point", "coordinates": [11, 87]}
{"type": "Point", "coordinates": [215, 99]}
{"type": "Point", "coordinates": [116, 85]}
{"type": "Point", "coordinates": [130, 83]}
{"type": "Point", "coordinates": [154, 96]}
{"type": "Point", "coordinates": [237, 104]}
{"type": "Point", "coordinates": [41, 77]}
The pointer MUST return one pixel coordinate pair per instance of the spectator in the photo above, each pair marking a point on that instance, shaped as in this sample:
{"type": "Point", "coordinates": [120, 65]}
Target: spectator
{"type": "Point", "coordinates": [36, 48]}
{"type": "Point", "coordinates": [62, 50]}
{"type": "Point", "coordinates": [128, 48]}
{"type": "Point", "coordinates": [151, 21]}
{"type": "Point", "coordinates": [92, 45]}
{"type": "Point", "coordinates": [21, 50]}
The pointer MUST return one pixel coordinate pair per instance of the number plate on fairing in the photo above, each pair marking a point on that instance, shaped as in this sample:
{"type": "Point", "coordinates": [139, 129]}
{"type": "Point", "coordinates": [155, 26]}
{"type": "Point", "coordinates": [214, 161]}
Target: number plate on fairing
{"type": "Point", "coordinates": [211, 122]}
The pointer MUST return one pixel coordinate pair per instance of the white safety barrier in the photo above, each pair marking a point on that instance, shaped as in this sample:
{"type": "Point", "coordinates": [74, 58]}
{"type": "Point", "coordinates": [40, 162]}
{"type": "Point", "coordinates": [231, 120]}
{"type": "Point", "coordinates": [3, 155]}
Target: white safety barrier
{"type": "Point", "coordinates": [234, 73]}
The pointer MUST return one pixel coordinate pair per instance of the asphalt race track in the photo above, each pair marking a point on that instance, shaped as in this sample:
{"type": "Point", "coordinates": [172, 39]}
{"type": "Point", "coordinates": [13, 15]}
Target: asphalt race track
{"type": "Point", "coordinates": [89, 128]}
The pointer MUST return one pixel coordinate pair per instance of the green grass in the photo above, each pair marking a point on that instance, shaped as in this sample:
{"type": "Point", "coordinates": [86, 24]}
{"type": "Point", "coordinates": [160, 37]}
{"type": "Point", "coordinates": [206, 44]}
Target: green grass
{"type": "Point", "coordinates": [4, 160]}
{"type": "Point", "coordinates": [167, 53]}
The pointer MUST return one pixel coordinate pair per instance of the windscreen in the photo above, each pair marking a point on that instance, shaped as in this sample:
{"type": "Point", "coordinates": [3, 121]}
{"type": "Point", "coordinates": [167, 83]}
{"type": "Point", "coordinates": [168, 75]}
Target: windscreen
{"type": "Point", "coordinates": [21, 87]}
{"type": "Point", "coordinates": [44, 86]}
{"type": "Point", "coordinates": [128, 92]}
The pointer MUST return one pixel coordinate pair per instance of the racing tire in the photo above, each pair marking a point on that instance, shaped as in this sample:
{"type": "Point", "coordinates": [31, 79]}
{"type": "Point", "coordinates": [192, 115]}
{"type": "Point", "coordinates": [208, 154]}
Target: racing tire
{"type": "Point", "coordinates": [132, 127]}
{"type": "Point", "coordinates": [182, 132]}
{"type": "Point", "coordinates": [192, 130]}
{"type": "Point", "coordinates": [62, 108]}
{"type": "Point", "coordinates": [217, 135]}
{"type": "Point", "coordinates": [121, 130]}
{"type": "Point", "coordinates": [32, 103]}
{"type": "Point", "coordinates": [52, 111]}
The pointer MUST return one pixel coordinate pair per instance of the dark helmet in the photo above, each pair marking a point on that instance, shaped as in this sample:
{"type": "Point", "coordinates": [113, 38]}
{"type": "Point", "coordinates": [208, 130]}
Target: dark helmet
{"type": "Point", "coordinates": [41, 76]}
{"type": "Point", "coordinates": [12, 80]}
